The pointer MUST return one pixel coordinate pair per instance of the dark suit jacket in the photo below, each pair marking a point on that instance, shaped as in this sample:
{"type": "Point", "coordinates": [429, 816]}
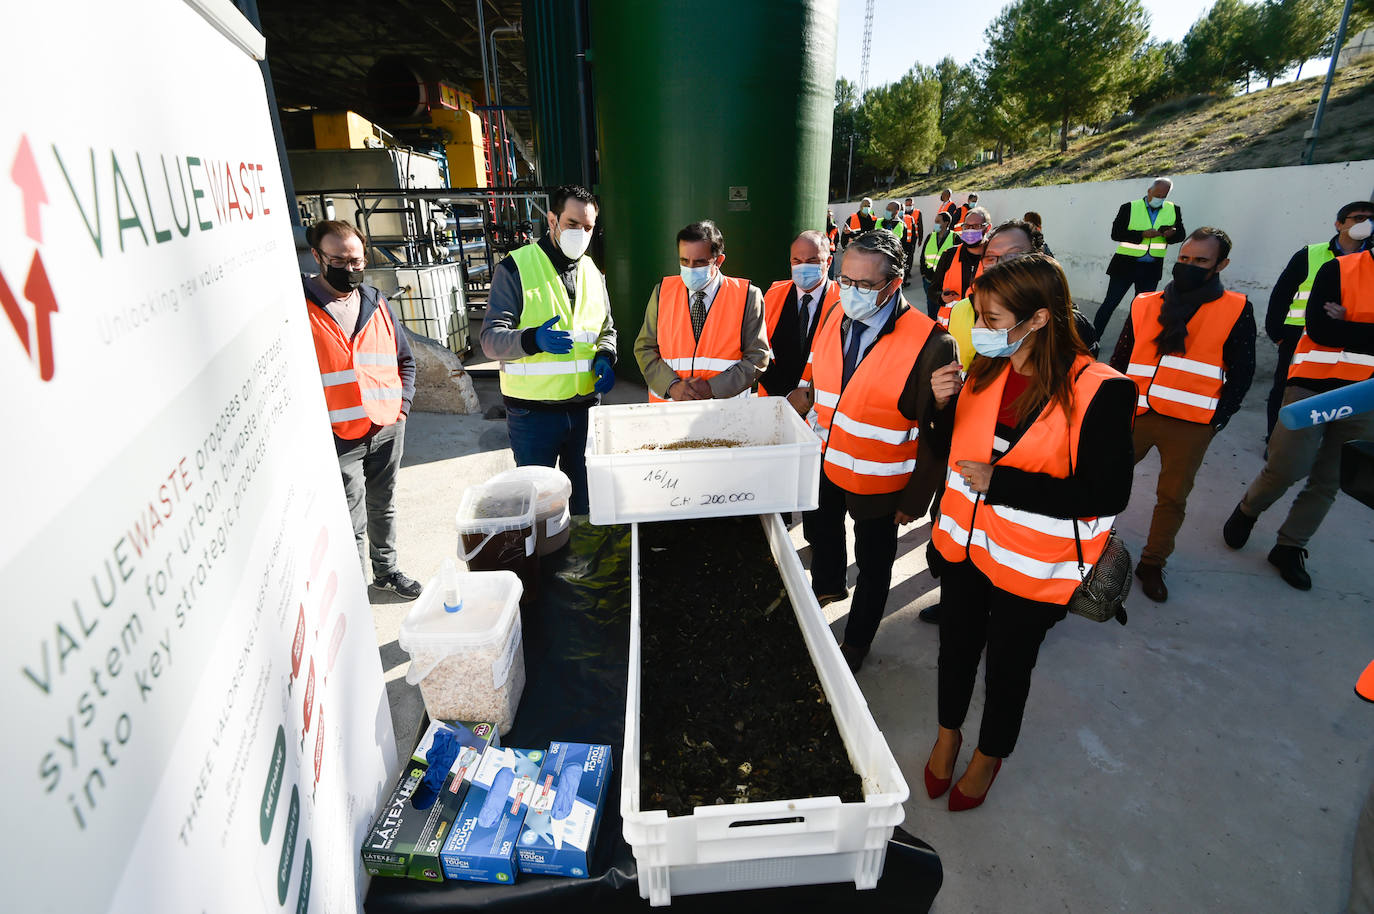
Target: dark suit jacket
{"type": "Point", "coordinates": [1125, 264]}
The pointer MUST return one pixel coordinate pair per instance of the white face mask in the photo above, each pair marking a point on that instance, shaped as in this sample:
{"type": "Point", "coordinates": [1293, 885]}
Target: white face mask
{"type": "Point", "coordinates": [573, 242]}
{"type": "Point", "coordinates": [1362, 230]}
{"type": "Point", "coordinates": [696, 278]}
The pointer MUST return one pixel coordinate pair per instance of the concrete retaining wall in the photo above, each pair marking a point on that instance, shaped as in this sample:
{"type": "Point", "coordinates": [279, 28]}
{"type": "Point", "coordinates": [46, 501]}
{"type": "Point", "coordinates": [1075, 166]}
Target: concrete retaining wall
{"type": "Point", "coordinates": [1269, 213]}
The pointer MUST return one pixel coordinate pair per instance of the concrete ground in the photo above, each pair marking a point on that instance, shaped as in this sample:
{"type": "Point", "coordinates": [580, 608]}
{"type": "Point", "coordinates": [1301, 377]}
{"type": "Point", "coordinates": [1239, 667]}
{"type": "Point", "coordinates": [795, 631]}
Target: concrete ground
{"type": "Point", "coordinates": [1211, 755]}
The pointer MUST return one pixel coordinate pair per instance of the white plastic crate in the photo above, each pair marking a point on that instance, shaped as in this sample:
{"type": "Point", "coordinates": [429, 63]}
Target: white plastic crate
{"type": "Point", "coordinates": [718, 848]}
{"type": "Point", "coordinates": [776, 467]}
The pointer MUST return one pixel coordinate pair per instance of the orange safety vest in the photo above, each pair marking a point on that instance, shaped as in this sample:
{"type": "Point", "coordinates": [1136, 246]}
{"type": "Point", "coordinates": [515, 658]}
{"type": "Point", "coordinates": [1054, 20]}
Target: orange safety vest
{"type": "Point", "coordinates": [776, 297]}
{"type": "Point", "coordinates": [1182, 386]}
{"type": "Point", "coordinates": [910, 226]}
{"type": "Point", "coordinates": [834, 236]}
{"type": "Point", "coordinates": [949, 206]}
{"type": "Point", "coordinates": [719, 346]}
{"type": "Point", "coordinates": [1323, 363]}
{"type": "Point", "coordinates": [954, 282]}
{"type": "Point", "coordinates": [854, 222]}
{"type": "Point", "coordinates": [362, 383]}
{"type": "Point", "coordinates": [869, 446]}
{"type": "Point", "coordinates": [1027, 554]}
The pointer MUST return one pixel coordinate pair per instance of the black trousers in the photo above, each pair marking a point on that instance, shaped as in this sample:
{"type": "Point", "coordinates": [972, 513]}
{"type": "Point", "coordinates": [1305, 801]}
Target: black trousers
{"type": "Point", "coordinates": [1287, 346]}
{"type": "Point", "coordinates": [1145, 278]}
{"type": "Point", "coordinates": [875, 549]}
{"type": "Point", "coordinates": [974, 615]}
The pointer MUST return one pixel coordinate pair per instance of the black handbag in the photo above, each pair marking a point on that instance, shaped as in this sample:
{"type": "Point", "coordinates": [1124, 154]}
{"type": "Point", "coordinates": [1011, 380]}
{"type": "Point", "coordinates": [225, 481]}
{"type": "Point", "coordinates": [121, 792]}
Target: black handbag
{"type": "Point", "coordinates": [1102, 594]}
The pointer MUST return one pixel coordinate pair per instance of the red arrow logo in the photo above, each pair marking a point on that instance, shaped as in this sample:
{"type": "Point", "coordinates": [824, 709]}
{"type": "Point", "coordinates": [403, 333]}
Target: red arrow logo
{"type": "Point", "coordinates": [39, 291]}
{"type": "Point", "coordinates": [25, 174]}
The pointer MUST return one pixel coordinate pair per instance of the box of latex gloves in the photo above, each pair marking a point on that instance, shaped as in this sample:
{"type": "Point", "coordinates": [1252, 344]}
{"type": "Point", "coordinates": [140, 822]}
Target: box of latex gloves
{"type": "Point", "coordinates": [481, 846]}
{"type": "Point", "coordinates": [409, 832]}
{"type": "Point", "coordinates": [560, 827]}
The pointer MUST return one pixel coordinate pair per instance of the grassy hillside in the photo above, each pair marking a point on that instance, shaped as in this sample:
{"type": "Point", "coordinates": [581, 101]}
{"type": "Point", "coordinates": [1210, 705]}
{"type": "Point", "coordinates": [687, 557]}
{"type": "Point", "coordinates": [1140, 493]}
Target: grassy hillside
{"type": "Point", "coordinates": [1262, 129]}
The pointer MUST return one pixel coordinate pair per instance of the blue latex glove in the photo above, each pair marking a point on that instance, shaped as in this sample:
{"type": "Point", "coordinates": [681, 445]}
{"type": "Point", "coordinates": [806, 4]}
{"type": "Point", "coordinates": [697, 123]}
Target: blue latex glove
{"type": "Point", "coordinates": [440, 757]}
{"type": "Point", "coordinates": [547, 339]}
{"type": "Point", "coordinates": [605, 373]}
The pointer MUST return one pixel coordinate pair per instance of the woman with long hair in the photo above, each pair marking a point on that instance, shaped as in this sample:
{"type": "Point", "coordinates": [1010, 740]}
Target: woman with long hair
{"type": "Point", "coordinates": [1040, 460]}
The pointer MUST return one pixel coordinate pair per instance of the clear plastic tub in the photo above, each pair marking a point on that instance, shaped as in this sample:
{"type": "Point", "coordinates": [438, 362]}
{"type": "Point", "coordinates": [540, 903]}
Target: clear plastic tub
{"type": "Point", "coordinates": [496, 531]}
{"type": "Point", "coordinates": [552, 521]}
{"type": "Point", "coordinates": [469, 664]}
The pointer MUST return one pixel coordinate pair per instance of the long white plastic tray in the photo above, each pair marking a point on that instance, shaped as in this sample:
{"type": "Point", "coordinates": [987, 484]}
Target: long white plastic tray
{"type": "Point", "coordinates": [719, 848]}
{"type": "Point", "coordinates": [775, 468]}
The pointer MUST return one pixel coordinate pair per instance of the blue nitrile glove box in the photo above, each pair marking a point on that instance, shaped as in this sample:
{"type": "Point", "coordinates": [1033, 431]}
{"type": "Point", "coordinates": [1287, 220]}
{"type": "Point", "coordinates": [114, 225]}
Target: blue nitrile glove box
{"type": "Point", "coordinates": [481, 846]}
{"type": "Point", "coordinates": [560, 827]}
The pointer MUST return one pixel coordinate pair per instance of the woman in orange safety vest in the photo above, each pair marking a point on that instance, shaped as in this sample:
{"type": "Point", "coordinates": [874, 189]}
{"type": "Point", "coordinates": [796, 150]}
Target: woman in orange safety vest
{"type": "Point", "coordinates": [1040, 460]}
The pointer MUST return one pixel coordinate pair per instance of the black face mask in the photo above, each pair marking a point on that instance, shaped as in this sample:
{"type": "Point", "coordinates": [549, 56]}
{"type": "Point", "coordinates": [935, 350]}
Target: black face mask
{"type": "Point", "coordinates": [342, 279]}
{"type": "Point", "coordinates": [1190, 277]}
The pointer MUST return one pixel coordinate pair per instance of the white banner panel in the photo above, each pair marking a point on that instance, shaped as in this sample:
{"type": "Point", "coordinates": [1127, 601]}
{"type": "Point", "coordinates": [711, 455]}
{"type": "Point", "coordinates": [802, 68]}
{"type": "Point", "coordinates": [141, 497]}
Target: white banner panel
{"type": "Point", "coordinates": [194, 701]}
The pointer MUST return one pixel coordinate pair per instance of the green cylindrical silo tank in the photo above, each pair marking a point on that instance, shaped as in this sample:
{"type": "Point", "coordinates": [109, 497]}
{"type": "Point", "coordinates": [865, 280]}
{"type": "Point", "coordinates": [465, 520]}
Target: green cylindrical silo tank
{"type": "Point", "coordinates": [717, 109]}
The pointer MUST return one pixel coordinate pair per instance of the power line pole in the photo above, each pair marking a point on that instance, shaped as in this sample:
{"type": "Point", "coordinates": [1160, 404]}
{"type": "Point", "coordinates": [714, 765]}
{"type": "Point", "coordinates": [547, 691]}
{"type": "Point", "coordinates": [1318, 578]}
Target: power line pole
{"type": "Point", "coordinates": [868, 47]}
{"type": "Point", "coordinates": [1311, 136]}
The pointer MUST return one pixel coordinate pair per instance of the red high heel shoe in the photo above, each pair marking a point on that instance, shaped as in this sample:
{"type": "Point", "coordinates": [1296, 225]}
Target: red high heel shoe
{"type": "Point", "coordinates": [960, 801]}
{"type": "Point", "coordinates": [937, 786]}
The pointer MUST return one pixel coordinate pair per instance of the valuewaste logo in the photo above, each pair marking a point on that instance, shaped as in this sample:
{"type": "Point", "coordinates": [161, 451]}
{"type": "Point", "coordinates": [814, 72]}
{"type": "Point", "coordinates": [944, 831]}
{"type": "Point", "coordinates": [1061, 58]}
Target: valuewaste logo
{"type": "Point", "coordinates": [32, 324]}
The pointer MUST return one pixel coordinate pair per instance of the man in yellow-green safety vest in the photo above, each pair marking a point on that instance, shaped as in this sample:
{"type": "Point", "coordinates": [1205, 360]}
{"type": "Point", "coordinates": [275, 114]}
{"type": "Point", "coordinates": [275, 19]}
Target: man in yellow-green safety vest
{"type": "Point", "coordinates": [1287, 313]}
{"type": "Point", "coordinates": [1143, 229]}
{"type": "Point", "coordinates": [549, 324]}
{"type": "Point", "coordinates": [940, 239]}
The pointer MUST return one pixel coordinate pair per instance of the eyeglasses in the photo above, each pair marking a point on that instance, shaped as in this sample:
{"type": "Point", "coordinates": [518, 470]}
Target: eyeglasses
{"type": "Point", "coordinates": [992, 260]}
{"type": "Point", "coordinates": [862, 284]}
{"type": "Point", "coordinates": [355, 263]}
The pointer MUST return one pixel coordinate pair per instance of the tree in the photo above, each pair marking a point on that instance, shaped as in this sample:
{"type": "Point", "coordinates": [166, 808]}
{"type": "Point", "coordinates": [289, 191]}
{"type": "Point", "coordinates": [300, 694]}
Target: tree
{"type": "Point", "coordinates": [1157, 67]}
{"type": "Point", "coordinates": [1000, 119]}
{"type": "Point", "coordinates": [958, 130]}
{"type": "Point", "coordinates": [1290, 32]}
{"type": "Point", "coordinates": [845, 123]}
{"type": "Point", "coordinates": [1068, 61]}
{"type": "Point", "coordinates": [1216, 50]}
{"type": "Point", "coordinates": [904, 122]}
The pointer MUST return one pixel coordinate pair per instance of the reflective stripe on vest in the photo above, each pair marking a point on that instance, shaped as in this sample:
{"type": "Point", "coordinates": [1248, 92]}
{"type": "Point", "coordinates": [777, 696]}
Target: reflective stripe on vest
{"type": "Point", "coordinates": [1140, 222]}
{"type": "Point", "coordinates": [1317, 255]}
{"type": "Point", "coordinates": [1031, 555]}
{"type": "Point", "coordinates": [545, 376]}
{"type": "Point", "coordinates": [719, 347]}
{"type": "Point", "coordinates": [362, 384]}
{"type": "Point", "coordinates": [1183, 386]}
{"type": "Point", "coordinates": [870, 447]}
{"type": "Point", "coordinates": [932, 257]}
{"type": "Point", "coordinates": [1321, 363]}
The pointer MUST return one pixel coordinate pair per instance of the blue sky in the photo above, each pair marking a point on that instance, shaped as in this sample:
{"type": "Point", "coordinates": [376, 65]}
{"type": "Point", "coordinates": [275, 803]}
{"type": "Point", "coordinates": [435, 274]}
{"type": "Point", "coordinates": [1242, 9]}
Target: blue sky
{"type": "Point", "coordinates": [923, 31]}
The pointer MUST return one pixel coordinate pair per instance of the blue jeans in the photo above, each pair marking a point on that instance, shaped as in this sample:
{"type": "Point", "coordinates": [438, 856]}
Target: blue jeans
{"type": "Point", "coordinates": [552, 437]}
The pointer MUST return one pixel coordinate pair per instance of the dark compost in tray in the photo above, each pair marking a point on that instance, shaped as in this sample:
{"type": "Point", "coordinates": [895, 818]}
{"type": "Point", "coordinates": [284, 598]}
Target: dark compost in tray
{"type": "Point", "coordinates": [731, 708]}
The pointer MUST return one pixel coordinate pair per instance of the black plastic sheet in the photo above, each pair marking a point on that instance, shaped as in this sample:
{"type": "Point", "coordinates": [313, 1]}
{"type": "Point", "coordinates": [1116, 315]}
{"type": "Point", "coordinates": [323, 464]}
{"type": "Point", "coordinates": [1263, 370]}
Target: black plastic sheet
{"type": "Point", "coordinates": [577, 639]}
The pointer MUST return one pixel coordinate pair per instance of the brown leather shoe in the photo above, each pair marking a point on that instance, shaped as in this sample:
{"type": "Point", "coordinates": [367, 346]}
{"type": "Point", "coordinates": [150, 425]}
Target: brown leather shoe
{"type": "Point", "coordinates": [1152, 582]}
{"type": "Point", "coordinates": [854, 656]}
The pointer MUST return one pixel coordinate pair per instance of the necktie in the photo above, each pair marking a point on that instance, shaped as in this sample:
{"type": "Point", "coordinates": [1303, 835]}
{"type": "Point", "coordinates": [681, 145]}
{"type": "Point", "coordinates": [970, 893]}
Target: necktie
{"type": "Point", "coordinates": [853, 351]}
{"type": "Point", "coordinates": [698, 313]}
{"type": "Point", "coordinates": [805, 318]}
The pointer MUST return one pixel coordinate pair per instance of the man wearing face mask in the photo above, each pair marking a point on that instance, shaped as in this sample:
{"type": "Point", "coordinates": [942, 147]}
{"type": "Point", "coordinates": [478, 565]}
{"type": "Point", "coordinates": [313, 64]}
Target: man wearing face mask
{"type": "Point", "coordinates": [939, 241]}
{"type": "Point", "coordinates": [958, 267]}
{"type": "Point", "coordinates": [947, 205]}
{"type": "Point", "coordinates": [1336, 350]}
{"type": "Point", "coordinates": [369, 379]}
{"type": "Point", "coordinates": [881, 374]}
{"type": "Point", "coordinates": [1191, 352]}
{"type": "Point", "coordinates": [793, 309]}
{"type": "Point", "coordinates": [703, 336]}
{"type": "Point", "coordinates": [1143, 230]}
{"type": "Point", "coordinates": [1286, 317]}
{"type": "Point", "coordinates": [549, 323]}
{"type": "Point", "coordinates": [862, 221]}
{"type": "Point", "coordinates": [915, 233]}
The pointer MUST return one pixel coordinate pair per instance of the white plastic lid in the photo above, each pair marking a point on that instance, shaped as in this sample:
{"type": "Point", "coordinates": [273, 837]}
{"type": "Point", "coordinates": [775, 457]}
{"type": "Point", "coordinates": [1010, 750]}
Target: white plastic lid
{"type": "Point", "coordinates": [495, 507]}
{"type": "Point", "coordinates": [552, 486]}
{"type": "Point", "coordinates": [490, 603]}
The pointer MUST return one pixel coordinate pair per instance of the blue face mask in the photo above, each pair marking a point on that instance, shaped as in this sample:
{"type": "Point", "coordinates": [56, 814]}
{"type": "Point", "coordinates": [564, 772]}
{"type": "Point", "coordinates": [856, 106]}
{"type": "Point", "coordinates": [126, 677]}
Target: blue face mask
{"type": "Point", "coordinates": [806, 275]}
{"type": "Point", "coordinates": [993, 343]}
{"type": "Point", "coordinates": [861, 304]}
{"type": "Point", "coordinates": [696, 278]}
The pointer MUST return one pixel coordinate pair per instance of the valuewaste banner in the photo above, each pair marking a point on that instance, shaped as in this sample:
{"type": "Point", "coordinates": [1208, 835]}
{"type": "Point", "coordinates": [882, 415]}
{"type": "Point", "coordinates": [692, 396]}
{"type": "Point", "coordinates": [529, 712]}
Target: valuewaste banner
{"type": "Point", "coordinates": [195, 717]}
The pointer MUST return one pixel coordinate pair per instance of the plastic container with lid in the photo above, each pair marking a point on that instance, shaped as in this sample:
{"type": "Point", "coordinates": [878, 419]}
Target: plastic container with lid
{"type": "Point", "coordinates": [552, 520]}
{"type": "Point", "coordinates": [496, 531]}
{"type": "Point", "coordinates": [469, 662]}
